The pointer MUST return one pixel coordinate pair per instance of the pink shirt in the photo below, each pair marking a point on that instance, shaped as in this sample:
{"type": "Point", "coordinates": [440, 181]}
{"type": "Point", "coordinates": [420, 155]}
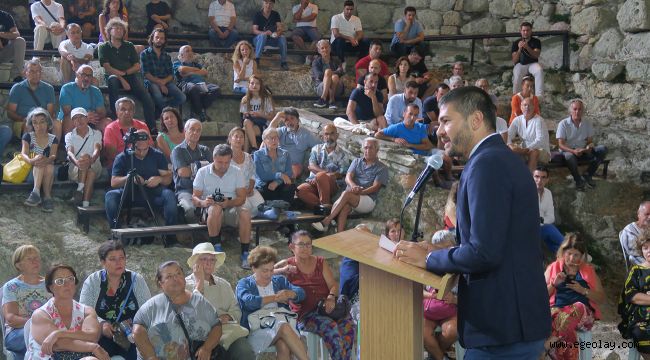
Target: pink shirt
{"type": "Point", "coordinates": [114, 133]}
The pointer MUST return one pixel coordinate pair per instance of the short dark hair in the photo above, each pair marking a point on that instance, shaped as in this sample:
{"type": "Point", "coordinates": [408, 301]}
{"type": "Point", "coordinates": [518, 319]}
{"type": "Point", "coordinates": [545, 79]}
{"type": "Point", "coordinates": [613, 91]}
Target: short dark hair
{"type": "Point", "coordinates": [527, 24]}
{"type": "Point", "coordinates": [542, 168]}
{"type": "Point", "coordinates": [150, 40]}
{"type": "Point", "coordinates": [291, 111]}
{"type": "Point", "coordinates": [164, 265]}
{"type": "Point", "coordinates": [412, 84]}
{"type": "Point", "coordinates": [179, 119]}
{"type": "Point", "coordinates": [409, 9]}
{"type": "Point", "coordinates": [49, 276]}
{"type": "Point", "coordinates": [108, 246]}
{"type": "Point", "coordinates": [369, 74]}
{"type": "Point", "coordinates": [417, 51]}
{"type": "Point", "coordinates": [376, 42]}
{"type": "Point", "coordinates": [442, 86]}
{"type": "Point", "coordinates": [222, 150]}
{"type": "Point", "coordinates": [468, 99]}
{"type": "Point", "coordinates": [413, 105]}
{"type": "Point", "coordinates": [348, 3]}
{"type": "Point", "coordinates": [300, 233]}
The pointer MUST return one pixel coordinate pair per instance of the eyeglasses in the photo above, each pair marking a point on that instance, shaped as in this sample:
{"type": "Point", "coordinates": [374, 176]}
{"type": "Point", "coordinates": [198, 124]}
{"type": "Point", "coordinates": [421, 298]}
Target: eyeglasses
{"type": "Point", "coordinates": [65, 280]}
{"type": "Point", "coordinates": [85, 75]}
{"type": "Point", "coordinates": [303, 245]}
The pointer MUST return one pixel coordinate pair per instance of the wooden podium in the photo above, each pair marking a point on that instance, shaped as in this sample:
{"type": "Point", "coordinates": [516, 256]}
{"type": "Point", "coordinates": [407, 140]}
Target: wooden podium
{"type": "Point", "coordinates": [390, 296]}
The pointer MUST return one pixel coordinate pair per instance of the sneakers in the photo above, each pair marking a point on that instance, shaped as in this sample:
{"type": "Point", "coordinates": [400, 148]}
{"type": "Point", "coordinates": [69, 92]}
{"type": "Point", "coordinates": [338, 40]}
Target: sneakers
{"type": "Point", "coordinates": [47, 206]}
{"type": "Point", "coordinates": [321, 103]}
{"type": "Point", "coordinates": [332, 106]}
{"type": "Point", "coordinates": [218, 247]}
{"type": "Point", "coordinates": [33, 199]}
{"type": "Point", "coordinates": [590, 181]}
{"type": "Point", "coordinates": [284, 66]}
{"type": "Point", "coordinates": [244, 261]}
{"type": "Point", "coordinates": [319, 226]}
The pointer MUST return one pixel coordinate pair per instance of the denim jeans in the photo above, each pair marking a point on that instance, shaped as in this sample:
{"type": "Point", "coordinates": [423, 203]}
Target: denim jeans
{"type": "Point", "coordinates": [228, 42]}
{"type": "Point", "coordinates": [5, 137]}
{"type": "Point", "coordinates": [174, 97]}
{"type": "Point", "coordinates": [551, 236]}
{"type": "Point", "coordinates": [340, 47]}
{"type": "Point", "coordinates": [15, 342]}
{"type": "Point", "coordinates": [262, 40]}
{"type": "Point", "coordinates": [138, 90]}
{"type": "Point", "coordinates": [165, 200]}
{"type": "Point", "coordinates": [596, 157]}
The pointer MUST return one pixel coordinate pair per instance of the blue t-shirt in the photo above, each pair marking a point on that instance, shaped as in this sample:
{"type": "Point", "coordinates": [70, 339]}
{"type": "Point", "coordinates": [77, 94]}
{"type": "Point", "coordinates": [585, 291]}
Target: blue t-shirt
{"type": "Point", "coordinates": [71, 95]}
{"type": "Point", "coordinates": [412, 136]}
{"type": "Point", "coordinates": [400, 25]}
{"type": "Point", "coordinates": [365, 175]}
{"type": "Point", "coordinates": [396, 107]}
{"type": "Point", "coordinates": [19, 95]}
{"type": "Point", "coordinates": [147, 167]}
{"type": "Point", "coordinates": [364, 104]}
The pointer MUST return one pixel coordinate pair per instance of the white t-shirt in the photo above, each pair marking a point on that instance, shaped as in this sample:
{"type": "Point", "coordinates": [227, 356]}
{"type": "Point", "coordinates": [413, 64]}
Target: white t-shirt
{"type": "Point", "coordinates": [311, 9]}
{"type": "Point", "coordinates": [534, 134]}
{"type": "Point", "coordinates": [72, 139]}
{"type": "Point", "coordinates": [80, 52]}
{"type": "Point", "coordinates": [502, 125]}
{"type": "Point", "coordinates": [55, 8]}
{"type": "Point", "coordinates": [222, 13]}
{"type": "Point", "coordinates": [248, 73]}
{"type": "Point", "coordinates": [546, 209]}
{"type": "Point", "coordinates": [207, 181]}
{"type": "Point", "coordinates": [256, 105]}
{"type": "Point", "coordinates": [345, 27]}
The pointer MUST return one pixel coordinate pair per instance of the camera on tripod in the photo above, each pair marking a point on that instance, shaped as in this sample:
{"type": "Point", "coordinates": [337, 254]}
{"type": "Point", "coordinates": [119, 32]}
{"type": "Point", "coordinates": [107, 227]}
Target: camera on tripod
{"type": "Point", "coordinates": [133, 136]}
{"type": "Point", "coordinates": [218, 196]}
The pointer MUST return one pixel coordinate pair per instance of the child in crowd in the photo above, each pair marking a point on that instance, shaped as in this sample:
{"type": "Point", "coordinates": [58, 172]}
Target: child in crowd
{"type": "Point", "coordinates": [256, 110]}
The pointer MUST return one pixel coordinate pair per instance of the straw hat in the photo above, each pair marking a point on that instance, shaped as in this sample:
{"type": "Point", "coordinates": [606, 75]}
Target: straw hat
{"type": "Point", "coordinates": [206, 248]}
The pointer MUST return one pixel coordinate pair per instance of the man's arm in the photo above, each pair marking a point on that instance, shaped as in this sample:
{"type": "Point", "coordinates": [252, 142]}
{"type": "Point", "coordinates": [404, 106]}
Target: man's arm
{"type": "Point", "coordinates": [166, 177]}
{"type": "Point", "coordinates": [11, 34]}
{"type": "Point", "coordinates": [350, 111]}
{"type": "Point", "coordinates": [377, 106]}
{"type": "Point", "coordinates": [12, 114]}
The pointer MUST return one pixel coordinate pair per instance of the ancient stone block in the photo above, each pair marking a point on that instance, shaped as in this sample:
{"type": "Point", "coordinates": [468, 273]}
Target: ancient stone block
{"type": "Point", "coordinates": [592, 20]}
{"type": "Point", "coordinates": [501, 8]}
{"type": "Point", "coordinates": [451, 18]}
{"type": "Point", "coordinates": [633, 16]}
{"type": "Point", "coordinates": [483, 26]}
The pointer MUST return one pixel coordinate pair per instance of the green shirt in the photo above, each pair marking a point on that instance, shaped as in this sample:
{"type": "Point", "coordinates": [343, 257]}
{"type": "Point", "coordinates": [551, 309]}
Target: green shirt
{"type": "Point", "coordinates": [120, 58]}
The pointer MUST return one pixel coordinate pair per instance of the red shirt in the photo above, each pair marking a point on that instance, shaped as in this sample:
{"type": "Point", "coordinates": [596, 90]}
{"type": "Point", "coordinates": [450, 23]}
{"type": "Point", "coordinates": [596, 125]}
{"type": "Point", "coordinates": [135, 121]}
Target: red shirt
{"type": "Point", "coordinates": [114, 133]}
{"type": "Point", "coordinates": [364, 62]}
{"type": "Point", "coordinates": [314, 285]}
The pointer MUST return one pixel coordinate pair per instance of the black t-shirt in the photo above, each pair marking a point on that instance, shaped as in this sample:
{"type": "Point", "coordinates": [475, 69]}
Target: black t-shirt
{"type": "Point", "coordinates": [381, 84]}
{"type": "Point", "coordinates": [364, 110]}
{"type": "Point", "coordinates": [264, 24]}
{"type": "Point", "coordinates": [418, 70]}
{"type": "Point", "coordinates": [429, 104]}
{"type": "Point", "coordinates": [524, 58]}
{"type": "Point", "coordinates": [6, 23]}
{"type": "Point", "coordinates": [160, 9]}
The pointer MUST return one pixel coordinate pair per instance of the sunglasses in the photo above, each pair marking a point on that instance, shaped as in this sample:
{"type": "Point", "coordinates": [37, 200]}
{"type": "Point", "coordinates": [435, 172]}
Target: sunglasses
{"type": "Point", "coordinates": [65, 280]}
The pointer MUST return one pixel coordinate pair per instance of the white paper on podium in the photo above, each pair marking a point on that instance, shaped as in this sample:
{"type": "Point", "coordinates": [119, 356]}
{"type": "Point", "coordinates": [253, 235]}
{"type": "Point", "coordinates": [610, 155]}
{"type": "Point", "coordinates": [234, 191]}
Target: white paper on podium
{"type": "Point", "coordinates": [386, 243]}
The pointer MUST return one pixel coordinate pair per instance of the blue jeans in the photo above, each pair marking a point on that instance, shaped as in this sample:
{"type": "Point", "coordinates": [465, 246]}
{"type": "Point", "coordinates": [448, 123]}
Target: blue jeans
{"type": "Point", "coordinates": [340, 47]}
{"type": "Point", "coordinates": [138, 90]}
{"type": "Point", "coordinates": [551, 236]}
{"type": "Point", "coordinates": [596, 157]}
{"type": "Point", "coordinates": [174, 97]}
{"type": "Point", "coordinates": [164, 199]}
{"type": "Point", "coordinates": [516, 351]}
{"type": "Point", "coordinates": [307, 33]}
{"type": "Point", "coordinates": [228, 42]}
{"type": "Point", "coordinates": [5, 137]}
{"type": "Point", "coordinates": [262, 40]}
{"type": "Point", "coordinates": [15, 342]}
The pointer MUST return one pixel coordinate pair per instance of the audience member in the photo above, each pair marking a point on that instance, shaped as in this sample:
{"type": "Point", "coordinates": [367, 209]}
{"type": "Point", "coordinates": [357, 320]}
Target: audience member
{"type": "Point", "coordinates": [548, 231]}
{"type": "Point", "coordinates": [363, 65]}
{"type": "Point", "coordinates": [268, 29]}
{"type": "Point", "coordinates": [409, 33]}
{"type": "Point", "coordinates": [63, 325]}
{"type": "Point", "coordinates": [203, 263]}
{"type": "Point", "coordinates": [575, 138]}
{"type": "Point", "coordinates": [265, 291]}
{"type": "Point", "coordinates": [122, 66]}
{"type": "Point", "coordinates": [304, 15]}
{"type": "Point", "coordinates": [171, 131]}
{"type": "Point", "coordinates": [228, 181]}
{"type": "Point", "coordinates": [112, 9]}
{"type": "Point", "coordinates": [418, 70]}
{"type": "Point", "coordinates": [485, 86]}
{"type": "Point", "coordinates": [116, 294]}
{"type": "Point", "coordinates": [243, 66]}
{"type": "Point", "coordinates": [430, 113]}
{"type": "Point", "coordinates": [82, 13]}
{"type": "Point", "coordinates": [115, 131]}
{"type": "Point", "coordinates": [408, 132]}
{"type": "Point", "coordinates": [456, 82]}
{"type": "Point", "coordinates": [83, 145]}
{"type": "Point", "coordinates": [526, 93]}
{"type": "Point", "coordinates": [525, 56]}
{"type": "Point", "coordinates": [195, 328]}
{"type": "Point", "coordinates": [347, 33]}
{"type": "Point", "coordinates": [430, 108]}
{"type": "Point", "coordinates": [39, 148]}
{"type": "Point", "coordinates": [222, 19]}
{"type": "Point", "coordinates": [328, 164]}
{"type": "Point", "coordinates": [294, 139]}
{"type": "Point", "coordinates": [158, 15]}
{"type": "Point", "coordinates": [365, 105]}
{"type": "Point", "coordinates": [191, 79]}
{"type": "Point", "coordinates": [50, 23]}
{"type": "Point", "coordinates": [397, 104]}
{"type": "Point", "coordinates": [533, 134]}
{"type": "Point", "coordinates": [314, 276]}
{"type": "Point", "coordinates": [12, 46]}
{"type": "Point", "coordinates": [382, 85]}
{"type": "Point", "coordinates": [81, 93]}
{"type": "Point", "coordinates": [158, 73]}
{"type": "Point", "coordinates": [74, 52]}
{"type": "Point", "coordinates": [630, 233]}
{"type": "Point", "coordinates": [21, 296]}
{"type": "Point", "coordinates": [27, 95]}
{"type": "Point", "coordinates": [187, 158]}
{"type": "Point", "coordinates": [257, 111]}
{"type": "Point", "coordinates": [575, 294]}
{"type": "Point", "coordinates": [5, 137]}
{"type": "Point", "coordinates": [244, 161]}
{"type": "Point", "coordinates": [365, 177]}
{"type": "Point", "coordinates": [397, 81]}
{"type": "Point", "coordinates": [273, 169]}
{"type": "Point", "coordinates": [326, 73]}
{"type": "Point", "coordinates": [458, 71]}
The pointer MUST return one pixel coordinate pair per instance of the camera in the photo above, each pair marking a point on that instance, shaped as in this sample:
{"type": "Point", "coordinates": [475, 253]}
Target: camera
{"type": "Point", "coordinates": [218, 196]}
{"type": "Point", "coordinates": [133, 136]}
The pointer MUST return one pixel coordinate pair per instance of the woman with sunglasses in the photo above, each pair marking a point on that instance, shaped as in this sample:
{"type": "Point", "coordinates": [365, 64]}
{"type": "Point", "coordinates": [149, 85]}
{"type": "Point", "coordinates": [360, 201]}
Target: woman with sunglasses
{"type": "Point", "coordinates": [62, 324]}
{"type": "Point", "coordinates": [116, 294]}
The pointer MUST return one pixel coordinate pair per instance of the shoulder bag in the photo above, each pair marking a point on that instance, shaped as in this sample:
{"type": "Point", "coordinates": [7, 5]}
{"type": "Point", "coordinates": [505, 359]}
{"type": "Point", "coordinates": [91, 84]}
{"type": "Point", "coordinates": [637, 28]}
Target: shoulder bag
{"type": "Point", "coordinates": [194, 345]}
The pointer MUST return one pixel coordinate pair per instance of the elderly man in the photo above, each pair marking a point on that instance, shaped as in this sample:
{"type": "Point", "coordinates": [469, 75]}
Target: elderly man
{"type": "Point", "coordinates": [365, 105]}
{"type": "Point", "coordinates": [631, 232]}
{"type": "Point", "coordinates": [122, 66]}
{"type": "Point", "coordinates": [83, 145]}
{"type": "Point", "coordinates": [191, 79]}
{"type": "Point", "coordinates": [374, 54]}
{"type": "Point", "coordinates": [187, 158]}
{"type": "Point", "coordinates": [294, 139]}
{"type": "Point", "coordinates": [533, 134]}
{"type": "Point", "coordinates": [81, 93]}
{"type": "Point", "coordinates": [222, 19]}
{"type": "Point", "coordinates": [347, 33]}
{"type": "Point", "coordinates": [326, 73]}
{"type": "Point", "coordinates": [12, 46]}
{"type": "Point", "coordinates": [575, 139]}
{"type": "Point", "coordinates": [228, 181]}
{"type": "Point", "coordinates": [115, 131]}
{"type": "Point", "coordinates": [408, 132]}
{"type": "Point", "coordinates": [74, 52]}
{"type": "Point", "coordinates": [525, 56]}
{"type": "Point", "coordinates": [409, 33]}
{"type": "Point", "coordinates": [328, 164]}
{"type": "Point", "coordinates": [548, 231]}
{"type": "Point", "coordinates": [28, 94]}
{"type": "Point", "coordinates": [268, 29]}
{"type": "Point", "coordinates": [50, 23]}
{"type": "Point", "coordinates": [397, 103]}
{"type": "Point", "coordinates": [365, 177]}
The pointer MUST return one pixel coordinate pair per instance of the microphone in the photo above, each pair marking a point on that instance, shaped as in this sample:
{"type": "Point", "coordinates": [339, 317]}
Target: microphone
{"type": "Point", "coordinates": [434, 162]}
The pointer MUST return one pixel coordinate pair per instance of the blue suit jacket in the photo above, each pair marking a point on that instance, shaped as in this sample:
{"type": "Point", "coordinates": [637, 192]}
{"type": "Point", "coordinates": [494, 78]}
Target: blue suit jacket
{"type": "Point", "coordinates": [502, 296]}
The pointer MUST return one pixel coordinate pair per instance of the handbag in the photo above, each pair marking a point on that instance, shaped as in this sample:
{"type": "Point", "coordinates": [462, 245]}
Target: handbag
{"type": "Point", "coordinates": [230, 332]}
{"type": "Point", "coordinates": [266, 318]}
{"type": "Point", "coordinates": [70, 355]}
{"type": "Point", "coordinates": [16, 170]}
{"type": "Point", "coordinates": [340, 311]}
{"type": "Point", "coordinates": [217, 353]}
{"type": "Point", "coordinates": [121, 331]}
{"type": "Point", "coordinates": [62, 172]}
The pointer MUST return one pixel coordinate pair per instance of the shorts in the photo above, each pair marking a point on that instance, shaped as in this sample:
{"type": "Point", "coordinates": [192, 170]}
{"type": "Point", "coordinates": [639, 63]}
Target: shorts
{"type": "Point", "coordinates": [339, 89]}
{"type": "Point", "coordinates": [260, 122]}
{"type": "Point", "coordinates": [73, 171]}
{"type": "Point", "coordinates": [365, 206]}
{"type": "Point", "coordinates": [229, 217]}
{"type": "Point", "coordinates": [544, 156]}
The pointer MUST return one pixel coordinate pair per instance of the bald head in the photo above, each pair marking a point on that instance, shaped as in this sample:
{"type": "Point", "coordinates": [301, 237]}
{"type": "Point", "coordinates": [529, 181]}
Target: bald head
{"type": "Point", "coordinates": [643, 215]}
{"type": "Point", "coordinates": [330, 135]}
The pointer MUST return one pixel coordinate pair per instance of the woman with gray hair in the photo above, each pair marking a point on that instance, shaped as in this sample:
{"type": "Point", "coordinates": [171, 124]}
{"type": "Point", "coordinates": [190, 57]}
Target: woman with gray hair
{"type": "Point", "coordinates": [39, 148]}
{"type": "Point", "coordinates": [273, 169]}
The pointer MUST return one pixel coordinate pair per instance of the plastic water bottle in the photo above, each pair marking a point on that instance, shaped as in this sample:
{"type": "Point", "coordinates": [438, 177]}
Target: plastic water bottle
{"type": "Point", "coordinates": [127, 331]}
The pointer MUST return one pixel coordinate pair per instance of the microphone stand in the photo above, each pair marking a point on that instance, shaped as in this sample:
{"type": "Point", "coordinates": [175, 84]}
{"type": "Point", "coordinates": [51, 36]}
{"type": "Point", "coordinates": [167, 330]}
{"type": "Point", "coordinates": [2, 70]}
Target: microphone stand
{"type": "Point", "coordinates": [416, 233]}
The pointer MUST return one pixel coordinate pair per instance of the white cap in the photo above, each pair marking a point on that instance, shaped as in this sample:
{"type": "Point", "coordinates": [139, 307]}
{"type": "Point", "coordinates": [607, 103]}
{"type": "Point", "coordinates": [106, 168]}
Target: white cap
{"type": "Point", "coordinates": [78, 111]}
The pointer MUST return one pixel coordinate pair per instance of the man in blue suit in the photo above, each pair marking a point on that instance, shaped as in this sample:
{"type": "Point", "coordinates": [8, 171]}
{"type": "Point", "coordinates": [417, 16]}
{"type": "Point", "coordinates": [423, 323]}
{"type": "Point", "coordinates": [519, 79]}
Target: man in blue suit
{"type": "Point", "coordinates": [503, 308]}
